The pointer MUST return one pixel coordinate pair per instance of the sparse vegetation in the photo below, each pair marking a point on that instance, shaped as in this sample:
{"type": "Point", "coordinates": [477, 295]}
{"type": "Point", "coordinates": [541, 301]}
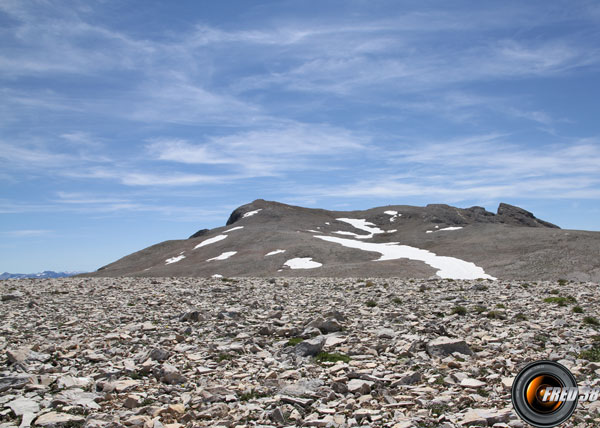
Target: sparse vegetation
{"type": "Point", "coordinates": [294, 341]}
{"type": "Point", "coordinates": [397, 300]}
{"type": "Point", "coordinates": [459, 310]}
{"type": "Point", "coordinates": [224, 357]}
{"type": "Point", "coordinates": [521, 317]}
{"type": "Point", "coordinates": [479, 309]}
{"type": "Point", "coordinates": [562, 282]}
{"type": "Point", "coordinates": [591, 354]}
{"type": "Point", "coordinates": [371, 303]}
{"type": "Point", "coordinates": [253, 394]}
{"type": "Point", "coordinates": [496, 315]}
{"type": "Point", "coordinates": [331, 357]}
{"type": "Point", "coordinates": [577, 309]}
{"type": "Point", "coordinates": [560, 300]}
{"type": "Point", "coordinates": [591, 321]}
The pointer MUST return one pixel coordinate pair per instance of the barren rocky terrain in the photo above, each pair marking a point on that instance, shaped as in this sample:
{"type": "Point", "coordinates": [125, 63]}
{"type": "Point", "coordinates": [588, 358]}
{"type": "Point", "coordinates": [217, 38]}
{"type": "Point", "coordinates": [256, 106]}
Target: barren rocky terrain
{"type": "Point", "coordinates": [190, 352]}
{"type": "Point", "coordinates": [271, 239]}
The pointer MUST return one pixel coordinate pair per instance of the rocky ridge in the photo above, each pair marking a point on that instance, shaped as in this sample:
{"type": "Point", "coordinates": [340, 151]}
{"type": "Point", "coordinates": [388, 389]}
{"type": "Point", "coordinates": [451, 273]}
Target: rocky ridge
{"type": "Point", "coordinates": [185, 352]}
{"type": "Point", "coordinates": [266, 239]}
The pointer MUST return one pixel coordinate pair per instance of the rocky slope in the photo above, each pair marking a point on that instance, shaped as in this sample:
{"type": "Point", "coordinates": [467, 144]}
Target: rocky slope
{"type": "Point", "coordinates": [195, 352]}
{"type": "Point", "coordinates": [272, 239]}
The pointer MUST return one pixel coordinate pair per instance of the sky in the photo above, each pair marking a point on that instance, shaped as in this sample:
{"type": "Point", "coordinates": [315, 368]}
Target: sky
{"type": "Point", "coordinates": [126, 123]}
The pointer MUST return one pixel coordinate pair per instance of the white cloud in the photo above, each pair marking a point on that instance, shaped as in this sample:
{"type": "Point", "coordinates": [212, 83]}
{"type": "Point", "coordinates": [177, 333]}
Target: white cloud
{"type": "Point", "coordinates": [268, 151]}
{"type": "Point", "coordinates": [481, 168]}
{"type": "Point", "coordinates": [26, 233]}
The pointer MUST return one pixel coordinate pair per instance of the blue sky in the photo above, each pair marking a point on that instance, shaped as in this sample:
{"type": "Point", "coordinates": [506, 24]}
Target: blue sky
{"type": "Point", "coordinates": [125, 123]}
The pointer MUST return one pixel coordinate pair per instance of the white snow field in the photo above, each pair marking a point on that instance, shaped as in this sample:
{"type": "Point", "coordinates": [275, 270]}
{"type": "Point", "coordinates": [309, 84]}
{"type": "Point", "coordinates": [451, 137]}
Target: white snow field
{"type": "Point", "coordinates": [251, 213]}
{"type": "Point", "coordinates": [272, 253]}
{"type": "Point", "coordinates": [362, 224]}
{"type": "Point", "coordinates": [448, 267]}
{"type": "Point", "coordinates": [223, 256]}
{"type": "Point", "coordinates": [211, 241]}
{"type": "Point", "coordinates": [174, 259]}
{"type": "Point", "coordinates": [234, 228]}
{"type": "Point", "coordinates": [302, 263]}
{"type": "Point", "coordinates": [393, 215]}
{"type": "Point", "coordinates": [217, 275]}
{"type": "Point", "coordinates": [445, 228]}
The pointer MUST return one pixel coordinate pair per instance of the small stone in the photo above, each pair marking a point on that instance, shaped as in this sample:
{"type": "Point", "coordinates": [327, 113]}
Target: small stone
{"type": "Point", "coordinates": [277, 416]}
{"type": "Point", "coordinates": [169, 374]}
{"type": "Point", "coordinates": [385, 333]}
{"type": "Point", "coordinates": [56, 419]}
{"type": "Point", "coordinates": [360, 386]}
{"type": "Point", "coordinates": [310, 347]}
{"type": "Point", "coordinates": [25, 355]}
{"type": "Point", "coordinates": [444, 346]}
{"type": "Point", "coordinates": [472, 383]}
{"type": "Point", "coordinates": [158, 354]}
{"type": "Point", "coordinates": [131, 402]}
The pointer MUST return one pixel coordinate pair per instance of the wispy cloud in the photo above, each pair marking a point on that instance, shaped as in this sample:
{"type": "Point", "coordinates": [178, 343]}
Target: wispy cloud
{"type": "Point", "coordinates": [26, 233]}
{"type": "Point", "coordinates": [481, 167]}
{"type": "Point", "coordinates": [268, 151]}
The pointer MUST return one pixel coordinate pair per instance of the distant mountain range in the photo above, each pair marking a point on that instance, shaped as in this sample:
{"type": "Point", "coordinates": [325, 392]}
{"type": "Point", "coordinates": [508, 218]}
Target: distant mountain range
{"type": "Point", "coordinates": [45, 274]}
{"type": "Point", "coordinates": [268, 239]}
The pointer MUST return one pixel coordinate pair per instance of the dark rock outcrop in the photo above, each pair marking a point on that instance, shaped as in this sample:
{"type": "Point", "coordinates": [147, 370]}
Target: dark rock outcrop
{"type": "Point", "coordinates": [510, 214]}
{"type": "Point", "coordinates": [200, 233]}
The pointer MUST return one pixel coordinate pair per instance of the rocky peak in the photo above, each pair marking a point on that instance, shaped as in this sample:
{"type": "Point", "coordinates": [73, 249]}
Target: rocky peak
{"type": "Point", "coordinates": [511, 214]}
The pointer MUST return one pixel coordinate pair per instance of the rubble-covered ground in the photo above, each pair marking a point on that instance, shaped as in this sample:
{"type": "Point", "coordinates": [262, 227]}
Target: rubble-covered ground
{"type": "Point", "coordinates": [190, 352]}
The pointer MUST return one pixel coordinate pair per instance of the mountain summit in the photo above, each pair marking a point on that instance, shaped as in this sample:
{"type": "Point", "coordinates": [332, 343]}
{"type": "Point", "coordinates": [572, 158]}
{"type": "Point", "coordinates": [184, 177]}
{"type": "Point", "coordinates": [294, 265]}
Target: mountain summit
{"type": "Point", "coordinates": [265, 238]}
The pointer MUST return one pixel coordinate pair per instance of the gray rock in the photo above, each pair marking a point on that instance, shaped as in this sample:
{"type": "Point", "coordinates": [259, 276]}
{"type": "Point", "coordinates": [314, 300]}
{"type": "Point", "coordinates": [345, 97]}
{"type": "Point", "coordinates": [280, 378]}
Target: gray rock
{"type": "Point", "coordinates": [310, 347]}
{"type": "Point", "coordinates": [169, 374]}
{"type": "Point", "coordinates": [444, 346]}
{"type": "Point", "coordinates": [25, 407]}
{"type": "Point", "coordinates": [326, 326]}
{"type": "Point", "coordinates": [25, 355]}
{"type": "Point", "coordinates": [193, 316]}
{"type": "Point", "coordinates": [360, 386]}
{"type": "Point", "coordinates": [11, 296]}
{"type": "Point", "coordinates": [158, 354]}
{"type": "Point", "coordinates": [56, 419]}
{"type": "Point", "coordinates": [15, 382]}
{"type": "Point", "coordinates": [408, 379]}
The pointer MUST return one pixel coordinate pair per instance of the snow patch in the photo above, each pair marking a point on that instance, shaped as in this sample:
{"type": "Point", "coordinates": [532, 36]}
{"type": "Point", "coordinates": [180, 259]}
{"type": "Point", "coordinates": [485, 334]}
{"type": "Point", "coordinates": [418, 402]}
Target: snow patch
{"type": "Point", "coordinates": [223, 256]}
{"type": "Point", "coordinates": [343, 232]}
{"type": "Point", "coordinates": [234, 228]}
{"type": "Point", "coordinates": [313, 231]}
{"type": "Point", "coordinates": [174, 259]}
{"type": "Point", "coordinates": [448, 267]}
{"type": "Point", "coordinates": [272, 253]}
{"type": "Point", "coordinates": [216, 275]}
{"type": "Point", "coordinates": [302, 263]}
{"type": "Point", "coordinates": [391, 231]}
{"type": "Point", "coordinates": [445, 228]}
{"type": "Point", "coordinates": [251, 213]}
{"type": "Point", "coordinates": [362, 224]}
{"type": "Point", "coordinates": [211, 241]}
{"type": "Point", "coordinates": [390, 212]}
